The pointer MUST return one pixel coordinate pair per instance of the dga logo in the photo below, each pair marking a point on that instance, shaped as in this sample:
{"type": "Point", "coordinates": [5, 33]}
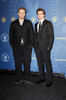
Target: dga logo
{"type": "Point", "coordinates": [4, 37]}
{"type": "Point", "coordinates": [33, 19]}
{"type": "Point", "coordinates": [54, 19]}
{"type": "Point", "coordinates": [3, 19]}
{"type": "Point", "coordinates": [5, 57]}
{"type": "Point", "coordinates": [13, 19]}
{"type": "Point", "coordinates": [64, 18]}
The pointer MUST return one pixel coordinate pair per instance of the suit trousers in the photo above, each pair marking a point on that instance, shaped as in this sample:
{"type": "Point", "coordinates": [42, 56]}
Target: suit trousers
{"type": "Point", "coordinates": [22, 54]}
{"type": "Point", "coordinates": [43, 57]}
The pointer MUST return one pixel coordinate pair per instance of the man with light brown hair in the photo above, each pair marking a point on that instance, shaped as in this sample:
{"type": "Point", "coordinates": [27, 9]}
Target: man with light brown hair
{"type": "Point", "coordinates": [21, 41]}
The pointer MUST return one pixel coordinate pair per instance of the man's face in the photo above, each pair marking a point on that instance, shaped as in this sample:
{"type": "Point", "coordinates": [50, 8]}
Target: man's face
{"type": "Point", "coordinates": [40, 15]}
{"type": "Point", "coordinates": [21, 14]}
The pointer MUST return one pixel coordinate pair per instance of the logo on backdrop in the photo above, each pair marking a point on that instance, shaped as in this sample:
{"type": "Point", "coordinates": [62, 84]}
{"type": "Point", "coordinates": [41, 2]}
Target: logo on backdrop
{"type": "Point", "coordinates": [4, 37]}
{"type": "Point", "coordinates": [64, 19]}
{"type": "Point", "coordinates": [13, 19]}
{"type": "Point", "coordinates": [54, 19]}
{"type": "Point", "coordinates": [33, 19]}
{"type": "Point", "coordinates": [5, 57]}
{"type": "Point", "coordinates": [3, 19]}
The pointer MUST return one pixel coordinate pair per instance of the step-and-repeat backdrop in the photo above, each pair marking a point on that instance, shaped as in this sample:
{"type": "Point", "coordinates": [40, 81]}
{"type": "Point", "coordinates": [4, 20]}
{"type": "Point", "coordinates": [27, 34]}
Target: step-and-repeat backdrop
{"type": "Point", "coordinates": [55, 12]}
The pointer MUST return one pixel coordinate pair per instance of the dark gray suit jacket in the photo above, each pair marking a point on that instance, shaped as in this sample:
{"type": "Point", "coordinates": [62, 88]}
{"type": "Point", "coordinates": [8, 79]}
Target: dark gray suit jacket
{"type": "Point", "coordinates": [17, 32]}
{"type": "Point", "coordinates": [45, 37]}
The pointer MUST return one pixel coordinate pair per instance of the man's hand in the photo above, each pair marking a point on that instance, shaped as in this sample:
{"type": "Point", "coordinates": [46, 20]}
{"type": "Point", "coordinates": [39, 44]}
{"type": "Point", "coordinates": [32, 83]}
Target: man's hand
{"type": "Point", "coordinates": [48, 48]}
{"type": "Point", "coordinates": [12, 47]}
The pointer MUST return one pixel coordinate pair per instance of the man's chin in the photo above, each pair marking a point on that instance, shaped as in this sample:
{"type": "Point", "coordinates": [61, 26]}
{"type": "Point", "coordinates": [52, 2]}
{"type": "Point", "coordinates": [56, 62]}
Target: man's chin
{"type": "Point", "coordinates": [22, 18]}
{"type": "Point", "coordinates": [40, 18]}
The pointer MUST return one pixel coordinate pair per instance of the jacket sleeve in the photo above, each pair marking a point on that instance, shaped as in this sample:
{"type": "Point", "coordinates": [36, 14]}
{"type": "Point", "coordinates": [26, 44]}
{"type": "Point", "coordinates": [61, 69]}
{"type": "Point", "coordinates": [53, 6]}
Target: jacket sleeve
{"type": "Point", "coordinates": [31, 34]}
{"type": "Point", "coordinates": [51, 35]}
{"type": "Point", "coordinates": [35, 36]}
{"type": "Point", "coordinates": [11, 35]}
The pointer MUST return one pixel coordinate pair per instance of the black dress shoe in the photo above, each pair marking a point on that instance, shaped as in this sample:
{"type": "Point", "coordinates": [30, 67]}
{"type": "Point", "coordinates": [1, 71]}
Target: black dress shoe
{"type": "Point", "coordinates": [40, 81]}
{"type": "Point", "coordinates": [18, 81]}
{"type": "Point", "coordinates": [49, 84]}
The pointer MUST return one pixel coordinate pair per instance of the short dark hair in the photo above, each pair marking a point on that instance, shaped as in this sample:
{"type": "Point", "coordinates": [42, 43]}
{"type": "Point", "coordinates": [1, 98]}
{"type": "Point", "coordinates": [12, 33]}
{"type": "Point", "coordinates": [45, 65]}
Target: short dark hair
{"type": "Point", "coordinates": [40, 9]}
{"type": "Point", "coordinates": [22, 8]}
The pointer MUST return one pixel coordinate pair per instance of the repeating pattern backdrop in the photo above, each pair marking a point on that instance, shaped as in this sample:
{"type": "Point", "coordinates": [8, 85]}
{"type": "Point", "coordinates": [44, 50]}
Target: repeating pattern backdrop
{"type": "Point", "coordinates": [55, 12]}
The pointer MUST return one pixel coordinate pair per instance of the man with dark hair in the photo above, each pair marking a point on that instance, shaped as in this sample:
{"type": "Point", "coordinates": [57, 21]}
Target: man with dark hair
{"type": "Point", "coordinates": [43, 42]}
{"type": "Point", "coordinates": [21, 41]}
{"type": "Point", "coordinates": [40, 9]}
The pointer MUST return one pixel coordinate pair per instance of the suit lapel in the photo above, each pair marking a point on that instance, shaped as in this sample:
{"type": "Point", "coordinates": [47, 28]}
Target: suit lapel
{"type": "Point", "coordinates": [36, 27]}
{"type": "Point", "coordinates": [43, 24]}
{"type": "Point", "coordinates": [23, 22]}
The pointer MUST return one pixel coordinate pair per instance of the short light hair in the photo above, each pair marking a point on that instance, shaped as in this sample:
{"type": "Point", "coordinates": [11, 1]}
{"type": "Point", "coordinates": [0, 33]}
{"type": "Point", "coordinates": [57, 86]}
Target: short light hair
{"type": "Point", "coordinates": [22, 8]}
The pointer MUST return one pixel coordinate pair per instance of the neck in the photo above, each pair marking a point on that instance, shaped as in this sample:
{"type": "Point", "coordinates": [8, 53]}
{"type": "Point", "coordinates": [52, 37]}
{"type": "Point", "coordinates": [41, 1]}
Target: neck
{"type": "Point", "coordinates": [21, 20]}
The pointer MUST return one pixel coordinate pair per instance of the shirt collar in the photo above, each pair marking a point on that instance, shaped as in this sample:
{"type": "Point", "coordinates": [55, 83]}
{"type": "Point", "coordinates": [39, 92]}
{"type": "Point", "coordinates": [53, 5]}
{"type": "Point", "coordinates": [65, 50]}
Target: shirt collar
{"type": "Point", "coordinates": [21, 23]}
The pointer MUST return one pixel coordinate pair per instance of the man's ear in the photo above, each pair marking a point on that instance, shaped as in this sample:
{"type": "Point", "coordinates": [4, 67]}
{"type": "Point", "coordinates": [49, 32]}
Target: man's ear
{"type": "Point", "coordinates": [44, 15]}
{"type": "Point", "coordinates": [25, 15]}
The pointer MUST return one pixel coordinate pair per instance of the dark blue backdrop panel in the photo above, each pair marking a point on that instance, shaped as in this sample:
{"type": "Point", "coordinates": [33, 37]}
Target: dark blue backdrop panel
{"type": "Point", "coordinates": [55, 12]}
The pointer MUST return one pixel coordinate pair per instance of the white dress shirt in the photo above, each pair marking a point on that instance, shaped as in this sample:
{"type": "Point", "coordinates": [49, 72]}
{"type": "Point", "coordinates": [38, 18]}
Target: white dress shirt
{"type": "Point", "coordinates": [22, 41]}
{"type": "Point", "coordinates": [38, 24]}
{"type": "Point", "coordinates": [21, 23]}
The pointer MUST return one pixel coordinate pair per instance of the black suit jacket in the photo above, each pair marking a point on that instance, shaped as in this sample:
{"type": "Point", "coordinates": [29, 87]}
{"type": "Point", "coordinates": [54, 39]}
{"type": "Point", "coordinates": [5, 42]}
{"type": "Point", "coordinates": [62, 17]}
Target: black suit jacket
{"type": "Point", "coordinates": [45, 37]}
{"type": "Point", "coordinates": [17, 32]}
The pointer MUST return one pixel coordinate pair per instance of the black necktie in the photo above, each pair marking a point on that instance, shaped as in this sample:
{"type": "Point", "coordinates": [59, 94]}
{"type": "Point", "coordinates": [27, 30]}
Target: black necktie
{"type": "Point", "coordinates": [39, 26]}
